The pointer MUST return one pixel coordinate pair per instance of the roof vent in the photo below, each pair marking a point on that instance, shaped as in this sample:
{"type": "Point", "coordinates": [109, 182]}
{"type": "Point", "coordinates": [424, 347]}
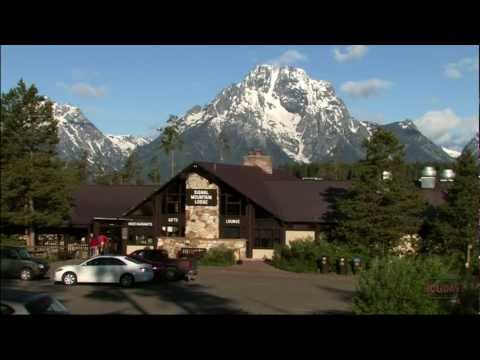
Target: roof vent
{"type": "Point", "coordinates": [428, 178]}
{"type": "Point", "coordinates": [429, 171]}
{"type": "Point", "coordinates": [387, 175]}
{"type": "Point", "coordinates": [447, 175]}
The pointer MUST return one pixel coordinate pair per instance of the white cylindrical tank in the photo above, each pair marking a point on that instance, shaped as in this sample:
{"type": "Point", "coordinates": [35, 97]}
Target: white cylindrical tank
{"type": "Point", "coordinates": [429, 171]}
{"type": "Point", "coordinates": [387, 175]}
{"type": "Point", "coordinates": [448, 174]}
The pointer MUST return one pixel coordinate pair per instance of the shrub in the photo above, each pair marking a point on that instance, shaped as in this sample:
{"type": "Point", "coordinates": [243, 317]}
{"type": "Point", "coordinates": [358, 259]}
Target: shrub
{"type": "Point", "coordinates": [12, 240]}
{"type": "Point", "coordinates": [302, 255]}
{"type": "Point", "coordinates": [218, 256]}
{"type": "Point", "coordinates": [398, 286]}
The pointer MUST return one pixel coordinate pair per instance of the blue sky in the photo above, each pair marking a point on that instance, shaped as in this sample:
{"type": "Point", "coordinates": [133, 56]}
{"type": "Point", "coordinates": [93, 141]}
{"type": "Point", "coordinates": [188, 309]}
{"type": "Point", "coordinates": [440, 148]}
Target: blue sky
{"type": "Point", "coordinates": [133, 89]}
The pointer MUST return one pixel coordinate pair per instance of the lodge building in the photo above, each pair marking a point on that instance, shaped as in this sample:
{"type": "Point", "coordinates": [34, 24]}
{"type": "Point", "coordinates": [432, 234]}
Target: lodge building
{"type": "Point", "coordinates": [249, 208]}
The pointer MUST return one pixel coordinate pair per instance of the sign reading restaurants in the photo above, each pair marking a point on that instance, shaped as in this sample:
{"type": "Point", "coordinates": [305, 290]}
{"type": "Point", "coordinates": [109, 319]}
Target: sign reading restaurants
{"type": "Point", "coordinates": [139, 223]}
{"type": "Point", "coordinates": [201, 197]}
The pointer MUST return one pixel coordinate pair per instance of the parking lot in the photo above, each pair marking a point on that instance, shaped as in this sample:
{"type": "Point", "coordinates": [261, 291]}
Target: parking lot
{"type": "Point", "coordinates": [251, 288]}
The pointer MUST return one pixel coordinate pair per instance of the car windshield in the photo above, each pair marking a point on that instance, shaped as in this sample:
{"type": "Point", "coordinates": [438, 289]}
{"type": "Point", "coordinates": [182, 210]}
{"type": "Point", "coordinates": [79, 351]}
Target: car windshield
{"type": "Point", "coordinates": [45, 305]}
{"type": "Point", "coordinates": [134, 260]}
{"type": "Point", "coordinates": [24, 254]}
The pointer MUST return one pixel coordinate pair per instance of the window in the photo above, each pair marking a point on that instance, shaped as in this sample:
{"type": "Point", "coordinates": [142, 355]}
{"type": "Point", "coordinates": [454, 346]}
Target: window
{"type": "Point", "coordinates": [173, 202]}
{"type": "Point", "coordinates": [6, 310]}
{"type": "Point", "coordinates": [9, 254]}
{"type": "Point", "coordinates": [140, 239]}
{"type": "Point", "coordinates": [170, 230]}
{"type": "Point", "coordinates": [231, 205]}
{"type": "Point", "coordinates": [96, 262]}
{"type": "Point", "coordinates": [114, 261]}
{"type": "Point", "coordinates": [231, 232]}
{"type": "Point", "coordinates": [158, 255]}
{"type": "Point", "coordinates": [266, 238]}
{"type": "Point", "coordinates": [45, 305]}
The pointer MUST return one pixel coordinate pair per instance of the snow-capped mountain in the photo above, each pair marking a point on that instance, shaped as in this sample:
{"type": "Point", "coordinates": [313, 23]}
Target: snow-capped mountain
{"type": "Point", "coordinates": [283, 105]}
{"type": "Point", "coordinates": [288, 115]}
{"type": "Point", "coordinates": [77, 134]}
{"type": "Point", "coordinates": [452, 153]}
{"type": "Point", "coordinates": [418, 148]}
{"type": "Point", "coordinates": [128, 143]}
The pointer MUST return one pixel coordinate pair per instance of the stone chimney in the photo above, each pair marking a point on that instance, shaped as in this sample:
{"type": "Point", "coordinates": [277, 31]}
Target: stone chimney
{"type": "Point", "coordinates": [257, 158]}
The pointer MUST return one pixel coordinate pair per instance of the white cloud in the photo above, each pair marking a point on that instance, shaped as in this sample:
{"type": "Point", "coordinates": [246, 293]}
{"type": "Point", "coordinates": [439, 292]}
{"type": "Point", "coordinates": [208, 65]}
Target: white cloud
{"type": "Point", "coordinates": [366, 88]}
{"type": "Point", "coordinates": [88, 90]}
{"type": "Point", "coordinates": [446, 128]}
{"type": "Point", "coordinates": [84, 89]}
{"type": "Point", "coordinates": [353, 52]}
{"type": "Point", "coordinates": [288, 57]}
{"type": "Point", "coordinates": [456, 70]}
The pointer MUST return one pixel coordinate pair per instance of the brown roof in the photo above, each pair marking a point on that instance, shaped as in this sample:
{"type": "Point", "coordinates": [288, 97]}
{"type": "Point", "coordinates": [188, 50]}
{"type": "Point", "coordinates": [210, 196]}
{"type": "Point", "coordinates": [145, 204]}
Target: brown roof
{"type": "Point", "coordinates": [284, 196]}
{"type": "Point", "coordinates": [108, 201]}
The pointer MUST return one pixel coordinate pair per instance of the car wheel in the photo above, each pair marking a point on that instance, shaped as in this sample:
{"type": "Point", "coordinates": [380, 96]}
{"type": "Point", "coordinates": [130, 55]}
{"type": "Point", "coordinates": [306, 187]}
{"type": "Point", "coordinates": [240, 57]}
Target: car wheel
{"type": "Point", "coordinates": [127, 280]}
{"type": "Point", "coordinates": [170, 274]}
{"type": "Point", "coordinates": [26, 274]}
{"type": "Point", "coordinates": [69, 278]}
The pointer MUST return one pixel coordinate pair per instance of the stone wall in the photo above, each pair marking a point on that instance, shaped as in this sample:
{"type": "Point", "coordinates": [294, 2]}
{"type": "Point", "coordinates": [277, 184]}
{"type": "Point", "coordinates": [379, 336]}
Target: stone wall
{"type": "Point", "coordinates": [201, 222]}
{"type": "Point", "coordinates": [173, 245]}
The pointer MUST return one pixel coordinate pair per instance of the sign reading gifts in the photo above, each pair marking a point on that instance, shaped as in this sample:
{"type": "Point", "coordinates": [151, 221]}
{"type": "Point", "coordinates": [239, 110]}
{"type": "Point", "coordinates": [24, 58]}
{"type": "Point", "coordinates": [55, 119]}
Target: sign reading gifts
{"type": "Point", "coordinates": [202, 197]}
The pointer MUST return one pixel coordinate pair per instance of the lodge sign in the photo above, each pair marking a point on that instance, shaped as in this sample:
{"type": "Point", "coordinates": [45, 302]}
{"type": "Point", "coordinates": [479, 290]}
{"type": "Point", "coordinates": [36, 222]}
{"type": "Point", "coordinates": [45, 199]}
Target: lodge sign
{"type": "Point", "coordinates": [201, 197]}
{"type": "Point", "coordinates": [139, 223]}
{"type": "Point", "coordinates": [232, 221]}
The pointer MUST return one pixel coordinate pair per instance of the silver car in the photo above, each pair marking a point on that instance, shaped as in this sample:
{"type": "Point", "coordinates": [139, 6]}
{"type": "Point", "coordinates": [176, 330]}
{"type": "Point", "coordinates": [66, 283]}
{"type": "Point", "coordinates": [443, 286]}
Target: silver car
{"type": "Point", "coordinates": [19, 302]}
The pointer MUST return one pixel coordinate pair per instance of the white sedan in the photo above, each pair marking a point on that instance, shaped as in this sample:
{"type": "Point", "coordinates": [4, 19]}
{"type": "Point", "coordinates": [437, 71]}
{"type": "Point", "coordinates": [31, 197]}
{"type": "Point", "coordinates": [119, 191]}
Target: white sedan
{"type": "Point", "coordinates": [105, 269]}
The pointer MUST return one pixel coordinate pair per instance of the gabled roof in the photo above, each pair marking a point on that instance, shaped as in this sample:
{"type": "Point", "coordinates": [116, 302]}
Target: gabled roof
{"type": "Point", "coordinates": [107, 201]}
{"type": "Point", "coordinates": [284, 196]}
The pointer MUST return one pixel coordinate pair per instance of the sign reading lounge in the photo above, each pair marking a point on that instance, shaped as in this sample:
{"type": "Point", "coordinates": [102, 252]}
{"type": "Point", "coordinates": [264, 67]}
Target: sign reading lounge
{"type": "Point", "coordinates": [201, 197]}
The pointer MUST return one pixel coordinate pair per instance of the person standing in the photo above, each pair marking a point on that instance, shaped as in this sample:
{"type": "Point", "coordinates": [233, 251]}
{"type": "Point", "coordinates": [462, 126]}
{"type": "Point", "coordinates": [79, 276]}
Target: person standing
{"type": "Point", "coordinates": [103, 242]}
{"type": "Point", "coordinates": [93, 242]}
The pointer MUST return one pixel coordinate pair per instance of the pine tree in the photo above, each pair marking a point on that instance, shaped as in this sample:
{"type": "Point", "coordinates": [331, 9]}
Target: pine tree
{"type": "Point", "coordinates": [36, 190]}
{"type": "Point", "coordinates": [378, 212]}
{"type": "Point", "coordinates": [223, 145]}
{"type": "Point", "coordinates": [170, 139]}
{"type": "Point", "coordinates": [456, 225]}
{"type": "Point", "coordinates": [132, 170]}
{"type": "Point", "coordinates": [154, 173]}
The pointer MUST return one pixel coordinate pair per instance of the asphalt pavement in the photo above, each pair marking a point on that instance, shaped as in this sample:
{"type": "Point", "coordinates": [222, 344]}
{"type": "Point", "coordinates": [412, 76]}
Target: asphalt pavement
{"type": "Point", "coordinates": [251, 288]}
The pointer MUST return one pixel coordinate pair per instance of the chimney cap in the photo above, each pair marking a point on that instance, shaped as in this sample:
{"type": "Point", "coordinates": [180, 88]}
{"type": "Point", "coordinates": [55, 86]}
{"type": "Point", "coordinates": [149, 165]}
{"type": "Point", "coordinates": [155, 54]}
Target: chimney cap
{"type": "Point", "coordinates": [255, 152]}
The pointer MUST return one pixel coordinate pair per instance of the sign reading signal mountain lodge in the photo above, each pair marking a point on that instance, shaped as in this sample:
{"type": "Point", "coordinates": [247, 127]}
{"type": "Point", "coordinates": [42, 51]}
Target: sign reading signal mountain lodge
{"type": "Point", "coordinates": [201, 197]}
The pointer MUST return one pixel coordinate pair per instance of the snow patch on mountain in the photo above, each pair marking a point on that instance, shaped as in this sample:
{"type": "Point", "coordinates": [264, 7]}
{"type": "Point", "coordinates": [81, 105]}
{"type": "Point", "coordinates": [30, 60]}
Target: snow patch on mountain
{"type": "Point", "coordinates": [77, 135]}
{"type": "Point", "coordinates": [128, 143]}
{"type": "Point", "coordinates": [452, 153]}
{"type": "Point", "coordinates": [283, 105]}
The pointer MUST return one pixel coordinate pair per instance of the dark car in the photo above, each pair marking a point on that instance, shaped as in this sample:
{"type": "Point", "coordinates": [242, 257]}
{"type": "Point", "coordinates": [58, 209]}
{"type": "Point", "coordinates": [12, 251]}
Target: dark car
{"type": "Point", "coordinates": [19, 302]}
{"type": "Point", "coordinates": [165, 267]}
{"type": "Point", "coordinates": [17, 262]}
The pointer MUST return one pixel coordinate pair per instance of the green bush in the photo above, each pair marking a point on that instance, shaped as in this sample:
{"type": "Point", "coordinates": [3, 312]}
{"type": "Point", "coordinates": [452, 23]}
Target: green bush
{"type": "Point", "coordinates": [302, 255]}
{"type": "Point", "coordinates": [218, 256]}
{"type": "Point", "coordinates": [399, 286]}
{"type": "Point", "coordinates": [12, 240]}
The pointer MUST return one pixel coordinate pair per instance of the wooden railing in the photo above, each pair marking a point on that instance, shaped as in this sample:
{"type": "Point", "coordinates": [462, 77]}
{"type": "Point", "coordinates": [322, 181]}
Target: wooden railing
{"type": "Point", "coordinates": [191, 252]}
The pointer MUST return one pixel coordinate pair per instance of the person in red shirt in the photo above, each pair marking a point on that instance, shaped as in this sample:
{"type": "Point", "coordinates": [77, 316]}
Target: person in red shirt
{"type": "Point", "coordinates": [93, 243]}
{"type": "Point", "coordinates": [103, 242]}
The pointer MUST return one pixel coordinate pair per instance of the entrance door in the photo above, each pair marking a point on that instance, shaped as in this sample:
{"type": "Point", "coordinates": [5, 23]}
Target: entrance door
{"type": "Point", "coordinates": [114, 234]}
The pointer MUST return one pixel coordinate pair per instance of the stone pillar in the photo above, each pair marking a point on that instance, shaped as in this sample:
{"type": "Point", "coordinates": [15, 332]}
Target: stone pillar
{"type": "Point", "coordinates": [201, 222]}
